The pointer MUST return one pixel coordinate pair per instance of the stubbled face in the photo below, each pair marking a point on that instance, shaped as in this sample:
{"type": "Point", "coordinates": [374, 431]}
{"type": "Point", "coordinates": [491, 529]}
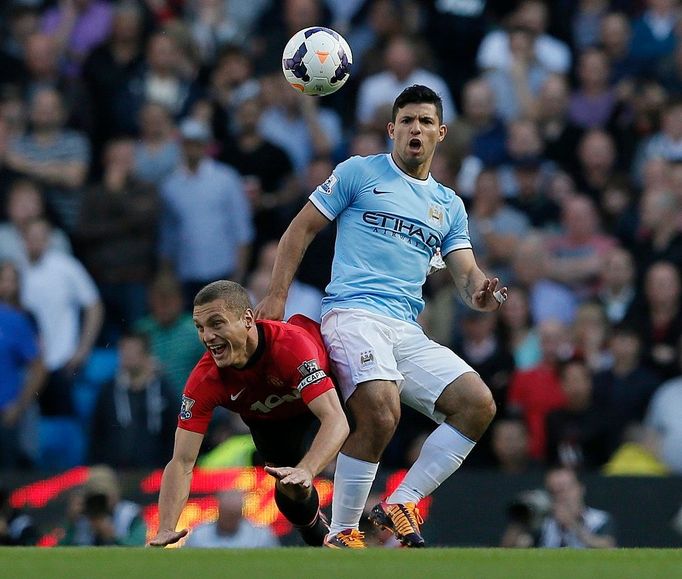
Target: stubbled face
{"type": "Point", "coordinates": [415, 133]}
{"type": "Point", "coordinates": [223, 332]}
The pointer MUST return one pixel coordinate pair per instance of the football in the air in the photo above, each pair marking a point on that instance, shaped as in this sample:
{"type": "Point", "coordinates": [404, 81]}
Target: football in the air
{"type": "Point", "coordinates": [317, 61]}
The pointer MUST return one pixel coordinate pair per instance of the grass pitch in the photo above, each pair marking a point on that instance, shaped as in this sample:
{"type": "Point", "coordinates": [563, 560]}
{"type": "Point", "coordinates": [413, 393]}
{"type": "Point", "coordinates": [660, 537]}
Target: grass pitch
{"type": "Point", "coordinates": [305, 563]}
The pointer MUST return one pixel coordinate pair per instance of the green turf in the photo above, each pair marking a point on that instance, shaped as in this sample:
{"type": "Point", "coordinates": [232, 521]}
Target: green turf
{"type": "Point", "coordinates": [299, 563]}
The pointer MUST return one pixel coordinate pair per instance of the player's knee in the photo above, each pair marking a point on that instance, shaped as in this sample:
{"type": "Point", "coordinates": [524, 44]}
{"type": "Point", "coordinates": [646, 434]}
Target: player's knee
{"type": "Point", "coordinates": [377, 422]}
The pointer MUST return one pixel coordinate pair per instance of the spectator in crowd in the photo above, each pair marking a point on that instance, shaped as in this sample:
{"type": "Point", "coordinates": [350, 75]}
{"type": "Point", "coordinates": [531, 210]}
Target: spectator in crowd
{"type": "Point", "coordinates": [212, 26]}
{"type": "Point", "coordinates": [135, 414]}
{"type": "Point", "coordinates": [478, 130]}
{"type": "Point", "coordinates": [206, 226]}
{"type": "Point", "coordinates": [532, 15]}
{"type": "Point", "coordinates": [231, 82]}
{"type": "Point", "coordinates": [615, 35]}
{"type": "Point", "coordinates": [590, 333]}
{"type": "Point", "coordinates": [658, 317]}
{"type": "Point", "coordinates": [571, 522]}
{"type": "Point", "coordinates": [402, 69]}
{"type": "Point", "coordinates": [517, 331]}
{"type": "Point", "coordinates": [578, 251]}
{"type": "Point", "coordinates": [454, 32]}
{"type": "Point", "coordinates": [558, 131]}
{"type": "Point", "coordinates": [301, 299]}
{"type": "Point", "coordinates": [20, 22]}
{"type": "Point", "coordinates": [593, 103]}
{"type": "Point", "coordinates": [516, 88]}
{"type": "Point", "coordinates": [654, 32]}
{"type": "Point", "coordinates": [511, 446]}
{"type": "Point", "coordinates": [77, 26]}
{"type": "Point", "coordinates": [666, 143]}
{"type": "Point", "coordinates": [660, 234]}
{"type": "Point", "coordinates": [157, 153]}
{"type": "Point", "coordinates": [265, 168]}
{"type": "Point", "coordinates": [171, 331]}
{"type": "Point", "coordinates": [547, 299]}
{"type": "Point", "coordinates": [62, 296]}
{"type": "Point", "coordinates": [160, 79]}
{"type": "Point", "coordinates": [524, 149]}
{"type": "Point", "coordinates": [486, 353]}
{"type": "Point", "coordinates": [637, 454]}
{"type": "Point", "coordinates": [624, 389]}
{"type": "Point", "coordinates": [22, 375]}
{"type": "Point", "coordinates": [617, 288]}
{"type": "Point", "coordinates": [25, 203]}
{"type": "Point", "coordinates": [17, 528]}
{"type": "Point", "coordinates": [117, 232]}
{"type": "Point", "coordinates": [585, 26]}
{"type": "Point", "coordinates": [495, 228]}
{"type": "Point", "coordinates": [53, 155]}
{"type": "Point", "coordinates": [231, 529]}
{"type": "Point", "coordinates": [110, 66]}
{"type": "Point", "coordinates": [577, 434]}
{"type": "Point", "coordinates": [537, 391]}
{"type": "Point", "coordinates": [595, 164]}
{"type": "Point", "coordinates": [97, 515]}
{"type": "Point", "coordinates": [663, 418]}
{"type": "Point", "coordinates": [302, 127]}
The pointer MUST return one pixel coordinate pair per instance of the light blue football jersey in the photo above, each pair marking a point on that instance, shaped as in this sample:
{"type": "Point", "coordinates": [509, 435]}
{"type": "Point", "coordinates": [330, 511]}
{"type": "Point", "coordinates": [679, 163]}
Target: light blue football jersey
{"type": "Point", "coordinates": [389, 225]}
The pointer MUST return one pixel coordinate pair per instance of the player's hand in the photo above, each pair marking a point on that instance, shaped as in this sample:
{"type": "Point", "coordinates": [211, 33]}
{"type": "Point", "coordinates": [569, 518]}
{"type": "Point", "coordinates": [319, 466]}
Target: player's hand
{"type": "Point", "coordinates": [164, 538]}
{"type": "Point", "coordinates": [270, 308]}
{"type": "Point", "coordinates": [289, 475]}
{"type": "Point", "coordinates": [488, 298]}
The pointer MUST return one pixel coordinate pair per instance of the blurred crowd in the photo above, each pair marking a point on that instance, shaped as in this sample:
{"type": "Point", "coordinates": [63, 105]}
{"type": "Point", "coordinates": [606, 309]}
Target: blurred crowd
{"type": "Point", "coordinates": [148, 147]}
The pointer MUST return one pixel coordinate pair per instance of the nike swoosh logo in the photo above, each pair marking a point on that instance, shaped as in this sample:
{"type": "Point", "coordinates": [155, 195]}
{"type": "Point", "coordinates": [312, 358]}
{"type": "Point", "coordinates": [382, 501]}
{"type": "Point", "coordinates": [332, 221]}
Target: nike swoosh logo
{"type": "Point", "coordinates": [377, 192]}
{"type": "Point", "coordinates": [233, 397]}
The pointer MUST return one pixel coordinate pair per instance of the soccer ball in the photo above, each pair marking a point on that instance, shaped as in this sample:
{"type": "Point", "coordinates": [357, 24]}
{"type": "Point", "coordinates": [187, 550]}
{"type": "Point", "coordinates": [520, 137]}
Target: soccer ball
{"type": "Point", "coordinates": [317, 61]}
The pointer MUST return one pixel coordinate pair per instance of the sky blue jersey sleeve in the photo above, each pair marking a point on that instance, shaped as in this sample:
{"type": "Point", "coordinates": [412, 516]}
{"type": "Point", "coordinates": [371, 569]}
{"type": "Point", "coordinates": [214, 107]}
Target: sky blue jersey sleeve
{"type": "Point", "coordinates": [339, 190]}
{"type": "Point", "coordinates": [458, 235]}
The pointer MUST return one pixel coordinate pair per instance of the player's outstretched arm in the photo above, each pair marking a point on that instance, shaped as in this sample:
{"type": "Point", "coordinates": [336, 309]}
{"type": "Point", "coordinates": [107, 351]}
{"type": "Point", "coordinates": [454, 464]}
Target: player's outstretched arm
{"type": "Point", "coordinates": [477, 290]}
{"type": "Point", "coordinates": [175, 484]}
{"type": "Point", "coordinates": [290, 251]}
{"type": "Point", "coordinates": [325, 446]}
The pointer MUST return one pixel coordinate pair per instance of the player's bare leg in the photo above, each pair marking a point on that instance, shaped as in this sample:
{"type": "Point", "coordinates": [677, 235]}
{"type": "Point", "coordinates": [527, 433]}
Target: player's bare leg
{"type": "Point", "coordinates": [375, 411]}
{"type": "Point", "coordinates": [469, 407]}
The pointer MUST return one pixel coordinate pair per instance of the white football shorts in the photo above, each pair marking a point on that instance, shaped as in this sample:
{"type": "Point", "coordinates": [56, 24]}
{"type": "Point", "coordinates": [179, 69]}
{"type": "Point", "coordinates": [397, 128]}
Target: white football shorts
{"type": "Point", "coordinates": [366, 346]}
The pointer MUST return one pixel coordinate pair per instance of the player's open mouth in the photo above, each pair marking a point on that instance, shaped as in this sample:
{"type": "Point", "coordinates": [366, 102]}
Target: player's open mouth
{"type": "Point", "coordinates": [414, 144]}
{"type": "Point", "coordinates": [217, 349]}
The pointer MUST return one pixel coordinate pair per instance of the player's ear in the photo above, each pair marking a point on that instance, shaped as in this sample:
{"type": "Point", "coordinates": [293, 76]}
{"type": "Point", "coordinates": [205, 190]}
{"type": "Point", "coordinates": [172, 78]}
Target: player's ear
{"type": "Point", "coordinates": [442, 130]}
{"type": "Point", "coordinates": [390, 128]}
{"type": "Point", "coordinates": [249, 318]}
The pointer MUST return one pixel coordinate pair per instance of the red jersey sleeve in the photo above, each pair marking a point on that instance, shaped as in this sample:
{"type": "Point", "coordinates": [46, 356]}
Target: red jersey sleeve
{"type": "Point", "coordinates": [199, 399]}
{"type": "Point", "coordinates": [311, 373]}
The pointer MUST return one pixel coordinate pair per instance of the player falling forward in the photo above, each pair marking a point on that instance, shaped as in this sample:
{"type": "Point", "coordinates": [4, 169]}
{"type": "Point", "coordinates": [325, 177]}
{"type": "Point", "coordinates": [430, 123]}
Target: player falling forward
{"type": "Point", "coordinates": [394, 224]}
{"type": "Point", "coordinates": [275, 375]}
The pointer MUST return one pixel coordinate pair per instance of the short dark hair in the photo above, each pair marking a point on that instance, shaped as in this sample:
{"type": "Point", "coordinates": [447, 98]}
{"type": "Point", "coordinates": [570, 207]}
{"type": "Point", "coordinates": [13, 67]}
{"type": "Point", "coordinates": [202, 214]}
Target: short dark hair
{"type": "Point", "coordinates": [418, 93]}
{"type": "Point", "coordinates": [233, 294]}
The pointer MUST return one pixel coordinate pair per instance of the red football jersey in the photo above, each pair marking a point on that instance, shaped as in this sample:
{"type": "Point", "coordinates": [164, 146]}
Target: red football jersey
{"type": "Point", "coordinates": [289, 369]}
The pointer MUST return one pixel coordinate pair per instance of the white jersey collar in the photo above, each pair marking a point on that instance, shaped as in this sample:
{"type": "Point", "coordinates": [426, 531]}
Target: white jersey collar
{"type": "Point", "coordinates": [422, 182]}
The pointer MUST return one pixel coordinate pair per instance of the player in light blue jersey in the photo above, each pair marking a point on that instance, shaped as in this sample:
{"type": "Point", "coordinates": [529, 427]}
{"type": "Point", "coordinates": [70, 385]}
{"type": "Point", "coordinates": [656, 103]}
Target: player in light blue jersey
{"type": "Point", "coordinates": [394, 224]}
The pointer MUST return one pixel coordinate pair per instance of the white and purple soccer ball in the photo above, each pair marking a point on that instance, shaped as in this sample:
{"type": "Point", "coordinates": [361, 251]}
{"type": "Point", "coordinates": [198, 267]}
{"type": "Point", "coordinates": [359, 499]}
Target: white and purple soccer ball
{"type": "Point", "coordinates": [317, 61]}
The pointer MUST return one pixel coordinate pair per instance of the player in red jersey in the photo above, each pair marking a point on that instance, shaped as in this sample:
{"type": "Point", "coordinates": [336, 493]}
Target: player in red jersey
{"type": "Point", "coordinates": [276, 376]}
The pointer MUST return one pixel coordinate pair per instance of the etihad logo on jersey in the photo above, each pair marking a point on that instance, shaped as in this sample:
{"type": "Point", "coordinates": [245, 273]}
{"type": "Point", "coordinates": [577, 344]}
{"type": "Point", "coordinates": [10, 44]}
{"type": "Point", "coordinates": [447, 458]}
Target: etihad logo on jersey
{"type": "Point", "coordinates": [389, 224]}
